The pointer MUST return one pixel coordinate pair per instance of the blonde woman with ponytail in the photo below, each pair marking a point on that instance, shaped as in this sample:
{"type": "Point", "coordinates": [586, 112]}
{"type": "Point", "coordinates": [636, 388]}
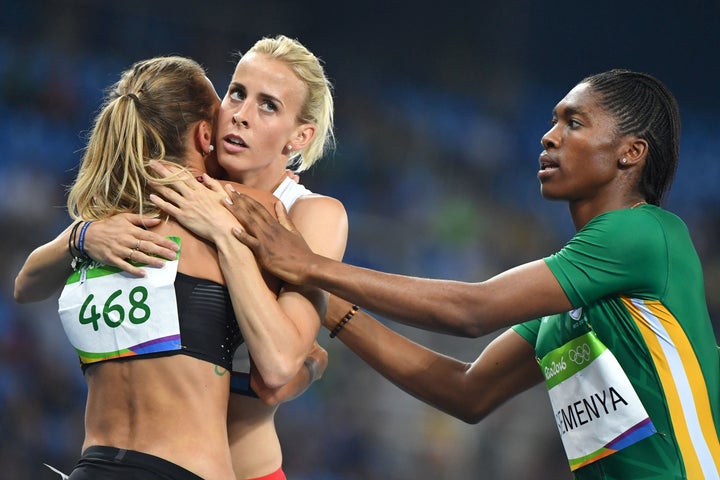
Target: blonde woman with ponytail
{"type": "Point", "coordinates": [155, 351]}
{"type": "Point", "coordinates": [277, 114]}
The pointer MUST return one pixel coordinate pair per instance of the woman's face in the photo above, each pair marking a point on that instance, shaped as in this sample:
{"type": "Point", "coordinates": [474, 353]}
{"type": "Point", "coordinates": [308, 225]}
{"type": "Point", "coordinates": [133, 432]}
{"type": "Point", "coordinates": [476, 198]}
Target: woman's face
{"type": "Point", "coordinates": [258, 120]}
{"type": "Point", "coordinates": [581, 150]}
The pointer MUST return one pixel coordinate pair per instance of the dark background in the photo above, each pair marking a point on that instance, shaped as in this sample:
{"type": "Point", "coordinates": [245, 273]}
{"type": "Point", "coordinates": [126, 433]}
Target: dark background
{"type": "Point", "coordinates": [439, 110]}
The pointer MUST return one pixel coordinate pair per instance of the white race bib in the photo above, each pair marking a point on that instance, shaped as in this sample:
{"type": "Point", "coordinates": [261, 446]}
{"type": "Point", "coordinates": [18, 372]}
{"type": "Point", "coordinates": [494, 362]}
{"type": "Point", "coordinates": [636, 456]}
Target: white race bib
{"type": "Point", "coordinates": [107, 313]}
{"type": "Point", "coordinates": [596, 407]}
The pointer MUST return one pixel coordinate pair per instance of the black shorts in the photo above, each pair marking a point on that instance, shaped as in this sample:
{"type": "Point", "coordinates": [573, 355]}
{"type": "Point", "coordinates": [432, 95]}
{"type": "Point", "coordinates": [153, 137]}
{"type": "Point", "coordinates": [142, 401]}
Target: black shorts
{"type": "Point", "coordinates": [110, 463]}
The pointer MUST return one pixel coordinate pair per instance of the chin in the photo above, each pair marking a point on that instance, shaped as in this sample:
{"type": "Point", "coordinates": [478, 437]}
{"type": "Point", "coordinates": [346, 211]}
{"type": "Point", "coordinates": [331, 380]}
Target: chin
{"type": "Point", "coordinates": [549, 195]}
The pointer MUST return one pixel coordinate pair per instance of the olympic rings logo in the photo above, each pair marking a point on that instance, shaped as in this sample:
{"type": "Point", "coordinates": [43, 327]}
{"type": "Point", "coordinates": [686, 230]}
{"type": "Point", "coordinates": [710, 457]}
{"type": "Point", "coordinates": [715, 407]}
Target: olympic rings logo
{"type": "Point", "coordinates": [580, 354]}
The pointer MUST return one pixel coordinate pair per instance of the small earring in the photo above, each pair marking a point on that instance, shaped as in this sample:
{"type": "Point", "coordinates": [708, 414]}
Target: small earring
{"type": "Point", "coordinates": [623, 160]}
{"type": "Point", "coordinates": [289, 147]}
{"type": "Point", "coordinates": [211, 148]}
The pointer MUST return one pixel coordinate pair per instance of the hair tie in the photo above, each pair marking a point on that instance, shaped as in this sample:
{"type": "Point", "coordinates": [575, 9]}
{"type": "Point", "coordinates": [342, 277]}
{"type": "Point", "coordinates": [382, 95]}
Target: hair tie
{"type": "Point", "coordinates": [132, 96]}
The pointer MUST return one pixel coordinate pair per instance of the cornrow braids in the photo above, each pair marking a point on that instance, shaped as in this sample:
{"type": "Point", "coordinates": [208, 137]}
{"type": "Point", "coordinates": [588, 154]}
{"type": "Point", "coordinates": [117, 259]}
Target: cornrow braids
{"type": "Point", "coordinates": [644, 107]}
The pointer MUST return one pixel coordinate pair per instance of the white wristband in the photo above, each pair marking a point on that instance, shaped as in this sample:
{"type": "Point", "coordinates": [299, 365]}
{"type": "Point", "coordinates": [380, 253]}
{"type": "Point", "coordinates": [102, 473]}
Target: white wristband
{"type": "Point", "coordinates": [312, 365]}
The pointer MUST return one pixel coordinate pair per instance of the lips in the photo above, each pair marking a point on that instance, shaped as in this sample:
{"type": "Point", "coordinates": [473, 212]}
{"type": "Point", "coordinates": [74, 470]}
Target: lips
{"type": "Point", "coordinates": [235, 140]}
{"type": "Point", "coordinates": [234, 144]}
{"type": "Point", "coordinates": [547, 162]}
{"type": "Point", "coordinates": [548, 167]}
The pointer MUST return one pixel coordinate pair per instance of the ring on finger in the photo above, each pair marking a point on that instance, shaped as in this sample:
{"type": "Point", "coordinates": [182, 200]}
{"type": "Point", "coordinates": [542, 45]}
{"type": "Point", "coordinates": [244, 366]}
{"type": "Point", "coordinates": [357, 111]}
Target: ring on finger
{"type": "Point", "coordinates": [132, 252]}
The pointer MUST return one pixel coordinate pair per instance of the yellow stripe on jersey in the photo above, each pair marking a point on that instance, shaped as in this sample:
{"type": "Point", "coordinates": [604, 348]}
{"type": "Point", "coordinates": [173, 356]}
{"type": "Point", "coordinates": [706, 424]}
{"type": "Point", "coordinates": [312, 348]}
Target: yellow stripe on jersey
{"type": "Point", "coordinates": [683, 385]}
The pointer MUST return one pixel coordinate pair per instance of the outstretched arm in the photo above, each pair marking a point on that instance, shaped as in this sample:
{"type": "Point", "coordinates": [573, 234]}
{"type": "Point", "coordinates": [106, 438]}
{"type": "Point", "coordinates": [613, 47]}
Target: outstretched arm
{"type": "Point", "coordinates": [110, 241]}
{"type": "Point", "coordinates": [459, 308]}
{"type": "Point", "coordinates": [468, 391]}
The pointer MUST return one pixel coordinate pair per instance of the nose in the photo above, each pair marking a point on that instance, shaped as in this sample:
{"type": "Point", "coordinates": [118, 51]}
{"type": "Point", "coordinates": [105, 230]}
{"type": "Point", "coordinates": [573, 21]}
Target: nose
{"type": "Point", "coordinates": [237, 121]}
{"type": "Point", "coordinates": [548, 140]}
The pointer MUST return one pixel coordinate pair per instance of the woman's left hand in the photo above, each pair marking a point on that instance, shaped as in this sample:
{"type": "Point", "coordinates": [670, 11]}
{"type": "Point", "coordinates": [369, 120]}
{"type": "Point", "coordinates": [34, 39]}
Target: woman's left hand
{"type": "Point", "coordinates": [197, 203]}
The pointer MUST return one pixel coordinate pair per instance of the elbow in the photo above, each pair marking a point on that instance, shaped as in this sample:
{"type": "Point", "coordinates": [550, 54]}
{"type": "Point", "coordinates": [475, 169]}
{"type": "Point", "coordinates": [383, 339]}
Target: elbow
{"type": "Point", "coordinates": [269, 399]}
{"type": "Point", "coordinates": [281, 373]}
{"type": "Point", "coordinates": [467, 326]}
{"type": "Point", "coordinates": [473, 331]}
{"type": "Point", "coordinates": [471, 416]}
{"type": "Point", "coordinates": [20, 294]}
{"type": "Point", "coordinates": [467, 322]}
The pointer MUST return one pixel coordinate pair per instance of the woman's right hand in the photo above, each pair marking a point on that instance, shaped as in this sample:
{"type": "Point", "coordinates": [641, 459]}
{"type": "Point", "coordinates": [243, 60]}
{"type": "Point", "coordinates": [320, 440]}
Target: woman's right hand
{"type": "Point", "coordinates": [195, 202]}
{"type": "Point", "coordinates": [123, 239]}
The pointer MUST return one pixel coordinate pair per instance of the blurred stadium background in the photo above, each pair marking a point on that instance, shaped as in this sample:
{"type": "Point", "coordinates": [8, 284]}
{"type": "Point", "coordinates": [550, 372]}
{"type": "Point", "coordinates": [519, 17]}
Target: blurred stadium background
{"type": "Point", "coordinates": [439, 110]}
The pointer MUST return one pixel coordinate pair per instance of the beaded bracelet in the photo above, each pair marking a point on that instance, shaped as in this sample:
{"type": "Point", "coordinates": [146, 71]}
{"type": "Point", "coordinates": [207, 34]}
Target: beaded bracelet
{"type": "Point", "coordinates": [344, 320]}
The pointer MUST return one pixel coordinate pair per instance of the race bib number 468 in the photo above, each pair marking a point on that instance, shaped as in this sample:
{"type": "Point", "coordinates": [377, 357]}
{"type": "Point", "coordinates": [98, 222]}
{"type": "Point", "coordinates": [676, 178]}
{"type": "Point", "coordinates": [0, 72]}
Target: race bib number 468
{"type": "Point", "coordinates": [107, 313]}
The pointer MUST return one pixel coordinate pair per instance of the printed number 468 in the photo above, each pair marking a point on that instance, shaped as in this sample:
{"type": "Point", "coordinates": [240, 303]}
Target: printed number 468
{"type": "Point", "coordinates": [139, 311]}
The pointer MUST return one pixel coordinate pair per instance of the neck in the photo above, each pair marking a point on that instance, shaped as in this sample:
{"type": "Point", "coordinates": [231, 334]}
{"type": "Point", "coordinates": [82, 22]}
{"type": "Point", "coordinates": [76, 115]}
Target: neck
{"type": "Point", "coordinates": [267, 180]}
{"type": "Point", "coordinates": [584, 211]}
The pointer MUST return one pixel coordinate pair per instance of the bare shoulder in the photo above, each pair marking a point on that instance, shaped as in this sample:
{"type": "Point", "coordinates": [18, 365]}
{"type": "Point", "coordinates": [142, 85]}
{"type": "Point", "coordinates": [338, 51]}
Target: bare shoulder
{"type": "Point", "coordinates": [316, 204]}
{"type": "Point", "coordinates": [323, 222]}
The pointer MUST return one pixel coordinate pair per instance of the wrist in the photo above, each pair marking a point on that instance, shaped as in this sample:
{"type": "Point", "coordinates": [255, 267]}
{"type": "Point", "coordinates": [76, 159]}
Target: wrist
{"type": "Point", "coordinates": [313, 368]}
{"type": "Point", "coordinates": [343, 321]}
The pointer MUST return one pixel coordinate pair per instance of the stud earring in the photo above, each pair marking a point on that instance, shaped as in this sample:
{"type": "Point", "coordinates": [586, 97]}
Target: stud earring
{"type": "Point", "coordinates": [289, 147]}
{"type": "Point", "coordinates": [211, 148]}
{"type": "Point", "coordinates": [623, 160]}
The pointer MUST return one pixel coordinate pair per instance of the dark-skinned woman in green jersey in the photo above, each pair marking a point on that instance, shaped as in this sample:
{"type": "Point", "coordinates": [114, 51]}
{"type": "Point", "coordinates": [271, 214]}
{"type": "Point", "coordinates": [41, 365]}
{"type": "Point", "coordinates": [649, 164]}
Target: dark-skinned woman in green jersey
{"type": "Point", "coordinates": [615, 323]}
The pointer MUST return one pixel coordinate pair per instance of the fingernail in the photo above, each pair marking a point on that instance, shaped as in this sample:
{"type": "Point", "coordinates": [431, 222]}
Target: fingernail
{"type": "Point", "coordinates": [200, 179]}
{"type": "Point", "coordinates": [228, 201]}
{"type": "Point", "coordinates": [231, 188]}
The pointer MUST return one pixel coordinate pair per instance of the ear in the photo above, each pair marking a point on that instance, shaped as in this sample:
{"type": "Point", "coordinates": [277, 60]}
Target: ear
{"type": "Point", "coordinates": [204, 137]}
{"type": "Point", "coordinates": [635, 152]}
{"type": "Point", "coordinates": [302, 136]}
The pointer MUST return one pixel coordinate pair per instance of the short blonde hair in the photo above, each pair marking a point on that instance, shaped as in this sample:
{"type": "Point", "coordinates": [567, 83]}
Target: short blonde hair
{"type": "Point", "coordinates": [145, 116]}
{"type": "Point", "coordinates": [318, 106]}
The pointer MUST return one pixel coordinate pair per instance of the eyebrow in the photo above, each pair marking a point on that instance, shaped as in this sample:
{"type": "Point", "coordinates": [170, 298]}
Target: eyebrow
{"type": "Point", "coordinates": [569, 111]}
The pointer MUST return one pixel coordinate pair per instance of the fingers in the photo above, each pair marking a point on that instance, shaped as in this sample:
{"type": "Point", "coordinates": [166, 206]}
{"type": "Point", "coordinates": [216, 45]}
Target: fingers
{"type": "Point", "coordinates": [168, 192]}
{"type": "Point", "coordinates": [141, 220]}
{"type": "Point", "coordinates": [182, 180]}
{"type": "Point", "coordinates": [166, 207]}
{"type": "Point", "coordinates": [154, 249]}
{"type": "Point", "coordinates": [164, 169]}
{"type": "Point", "coordinates": [212, 184]}
{"type": "Point", "coordinates": [249, 241]}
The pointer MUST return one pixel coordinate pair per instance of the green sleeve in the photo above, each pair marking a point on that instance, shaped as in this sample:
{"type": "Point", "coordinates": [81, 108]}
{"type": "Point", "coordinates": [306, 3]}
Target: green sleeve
{"type": "Point", "coordinates": [619, 252]}
{"type": "Point", "coordinates": [528, 330]}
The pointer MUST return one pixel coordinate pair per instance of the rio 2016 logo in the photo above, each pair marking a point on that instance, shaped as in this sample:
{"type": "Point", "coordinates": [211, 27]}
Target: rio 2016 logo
{"type": "Point", "coordinates": [580, 355]}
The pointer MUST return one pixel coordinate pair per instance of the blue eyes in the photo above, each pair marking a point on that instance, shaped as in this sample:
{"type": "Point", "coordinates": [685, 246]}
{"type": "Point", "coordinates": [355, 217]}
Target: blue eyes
{"type": "Point", "coordinates": [239, 95]}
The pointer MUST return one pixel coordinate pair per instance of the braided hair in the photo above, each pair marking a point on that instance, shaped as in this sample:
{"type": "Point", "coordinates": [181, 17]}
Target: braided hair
{"type": "Point", "coordinates": [644, 107]}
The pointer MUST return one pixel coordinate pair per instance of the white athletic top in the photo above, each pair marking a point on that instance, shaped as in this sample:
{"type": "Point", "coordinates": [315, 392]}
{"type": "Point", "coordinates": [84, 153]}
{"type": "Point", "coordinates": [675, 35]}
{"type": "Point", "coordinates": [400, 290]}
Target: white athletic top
{"type": "Point", "coordinates": [288, 191]}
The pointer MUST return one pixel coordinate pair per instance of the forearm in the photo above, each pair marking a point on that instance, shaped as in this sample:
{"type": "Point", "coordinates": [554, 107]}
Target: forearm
{"type": "Point", "coordinates": [429, 376]}
{"type": "Point", "coordinates": [468, 391]}
{"type": "Point", "coordinates": [45, 270]}
{"type": "Point", "coordinates": [276, 343]}
{"type": "Point", "coordinates": [438, 305]}
{"type": "Point", "coordinates": [447, 306]}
